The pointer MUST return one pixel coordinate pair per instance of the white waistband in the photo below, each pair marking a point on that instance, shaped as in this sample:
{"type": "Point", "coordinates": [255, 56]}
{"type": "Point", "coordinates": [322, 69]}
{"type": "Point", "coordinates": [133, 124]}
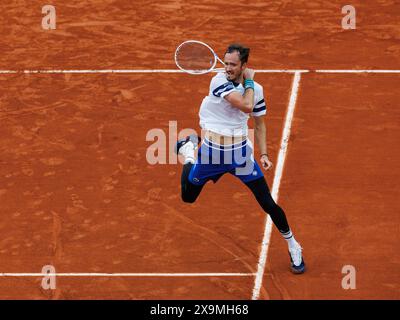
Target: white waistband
{"type": "Point", "coordinates": [227, 147]}
{"type": "Point", "coordinates": [227, 132]}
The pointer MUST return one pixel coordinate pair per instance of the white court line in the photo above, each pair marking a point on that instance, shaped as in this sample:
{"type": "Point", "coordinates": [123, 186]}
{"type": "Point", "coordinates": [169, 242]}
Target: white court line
{"type": "Point", "coordinates": [92, 71]}
{"type": "Point", "coordinates": [127, 274]}
{"type": "Point", "coordinates": [280, 71]}
{"type": "Point", "coordinates": [132, 71]}
{"type": "Point", "coordinates": [275, 186]}
{"type": "Point", "coordinates": [357, 71]}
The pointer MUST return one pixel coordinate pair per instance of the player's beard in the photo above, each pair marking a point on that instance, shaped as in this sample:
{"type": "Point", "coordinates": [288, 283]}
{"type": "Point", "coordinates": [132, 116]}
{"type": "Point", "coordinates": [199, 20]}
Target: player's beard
{"type": "Point", "coordinates": [236, 78]}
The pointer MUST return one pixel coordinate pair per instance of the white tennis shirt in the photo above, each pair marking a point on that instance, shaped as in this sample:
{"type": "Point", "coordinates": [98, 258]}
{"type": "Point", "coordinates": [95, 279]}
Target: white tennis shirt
{"type": "Point", "coordinates": [218, 115]}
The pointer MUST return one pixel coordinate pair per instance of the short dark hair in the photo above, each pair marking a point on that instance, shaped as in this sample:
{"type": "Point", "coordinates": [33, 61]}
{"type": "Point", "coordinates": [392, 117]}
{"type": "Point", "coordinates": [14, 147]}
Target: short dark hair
{"type": "Point", "coordinates": [243, 51]}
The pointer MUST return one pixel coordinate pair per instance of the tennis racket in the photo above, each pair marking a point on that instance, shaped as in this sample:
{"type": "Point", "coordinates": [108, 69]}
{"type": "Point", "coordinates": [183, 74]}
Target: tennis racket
{"type": "Point", "coordinates": [196, 57]}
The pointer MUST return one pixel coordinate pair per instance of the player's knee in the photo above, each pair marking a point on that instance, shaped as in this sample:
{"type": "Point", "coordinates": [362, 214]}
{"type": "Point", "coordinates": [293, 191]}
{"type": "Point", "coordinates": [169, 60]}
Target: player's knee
{"type": "Point", "coordinates": [269, 205]}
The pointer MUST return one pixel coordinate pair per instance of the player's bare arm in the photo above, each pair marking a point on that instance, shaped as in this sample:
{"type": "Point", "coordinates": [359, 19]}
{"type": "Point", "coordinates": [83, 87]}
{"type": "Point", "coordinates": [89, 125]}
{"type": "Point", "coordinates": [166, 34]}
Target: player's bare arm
{"type": "Point", "coordinates": [260, 133]}
{"type": "Point", "coordinates": [243, 102]}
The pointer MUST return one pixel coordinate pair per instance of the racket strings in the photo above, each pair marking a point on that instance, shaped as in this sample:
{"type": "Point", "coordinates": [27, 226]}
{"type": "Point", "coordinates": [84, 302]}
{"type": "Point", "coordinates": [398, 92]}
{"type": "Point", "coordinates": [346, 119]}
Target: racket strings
{"type": "Point", "coordinates": [195, 57]}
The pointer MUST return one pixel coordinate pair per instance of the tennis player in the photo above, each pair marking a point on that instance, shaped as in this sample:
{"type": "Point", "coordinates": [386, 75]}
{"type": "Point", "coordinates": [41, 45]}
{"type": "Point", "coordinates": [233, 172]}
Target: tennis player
{"type": "Point", "coordinates": [232, 98]}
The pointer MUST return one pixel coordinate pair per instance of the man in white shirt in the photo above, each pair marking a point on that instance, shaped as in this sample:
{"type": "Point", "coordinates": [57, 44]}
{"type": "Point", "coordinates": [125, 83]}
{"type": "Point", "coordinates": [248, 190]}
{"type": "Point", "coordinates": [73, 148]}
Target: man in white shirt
{"type": "Point", "coordinates": [224, 112]}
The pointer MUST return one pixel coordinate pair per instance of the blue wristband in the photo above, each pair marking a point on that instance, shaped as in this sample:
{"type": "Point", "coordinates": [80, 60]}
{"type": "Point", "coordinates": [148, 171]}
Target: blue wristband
{"type": "Point", "coordinates": [248, 84]}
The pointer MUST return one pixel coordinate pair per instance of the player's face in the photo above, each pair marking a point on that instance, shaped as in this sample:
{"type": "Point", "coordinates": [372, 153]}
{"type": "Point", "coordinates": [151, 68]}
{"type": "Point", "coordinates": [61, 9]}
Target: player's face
{"type": "Point", "coordinates": [233, 66]}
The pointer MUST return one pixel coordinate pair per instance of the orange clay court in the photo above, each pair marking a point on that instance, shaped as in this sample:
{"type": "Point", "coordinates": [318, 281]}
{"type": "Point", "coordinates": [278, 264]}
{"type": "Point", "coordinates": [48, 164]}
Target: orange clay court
{"type": "Point", "coordinates": [76, 190]}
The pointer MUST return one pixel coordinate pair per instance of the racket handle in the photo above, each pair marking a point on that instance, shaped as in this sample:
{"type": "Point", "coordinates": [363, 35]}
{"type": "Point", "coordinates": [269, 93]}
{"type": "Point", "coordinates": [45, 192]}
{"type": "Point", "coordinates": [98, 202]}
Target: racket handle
{"type": "Point", "coordinates": [220, 60]}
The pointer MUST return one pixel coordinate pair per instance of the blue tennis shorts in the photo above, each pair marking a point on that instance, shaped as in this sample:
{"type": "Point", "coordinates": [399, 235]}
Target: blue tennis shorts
{"type": "Point", "coordinates": [214, 160]}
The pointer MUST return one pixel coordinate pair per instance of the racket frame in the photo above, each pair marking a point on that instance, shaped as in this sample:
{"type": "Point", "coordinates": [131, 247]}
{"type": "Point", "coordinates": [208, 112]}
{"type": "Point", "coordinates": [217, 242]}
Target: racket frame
{"type": "Point", "coordinates": [216, 58]}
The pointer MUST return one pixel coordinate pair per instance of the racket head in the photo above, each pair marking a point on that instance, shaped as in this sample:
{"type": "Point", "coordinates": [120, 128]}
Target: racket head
{"type": "Point", "coordinates": [195, 57]}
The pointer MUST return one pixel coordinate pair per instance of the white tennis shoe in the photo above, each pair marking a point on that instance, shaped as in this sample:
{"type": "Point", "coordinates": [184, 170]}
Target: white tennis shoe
{"type": "Point", "coordinates": [187, 146]}
{"type": "Point", "coordinates": [296, 259]}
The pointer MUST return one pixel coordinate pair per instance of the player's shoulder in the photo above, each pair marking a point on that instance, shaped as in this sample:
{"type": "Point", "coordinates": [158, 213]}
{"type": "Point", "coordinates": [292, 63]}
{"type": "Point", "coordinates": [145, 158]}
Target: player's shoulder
{"type": "Point", "coordinates": [258, 93]}
{"type": "Point", "coordinates": [220, 85]}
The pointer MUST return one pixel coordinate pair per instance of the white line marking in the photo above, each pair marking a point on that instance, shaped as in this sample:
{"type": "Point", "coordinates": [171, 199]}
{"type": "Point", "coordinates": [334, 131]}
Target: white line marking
{"type": "Point", "coordinates": [357, 71]}
{"type": "Point", "coordinates": [275, 186]}
{"type": "Point", "coordinates": [133, 71]}
{"type": "Point", "coordinates": [106, 71]}
{"type": "Point", "coordinates": [127, 274]}
{"type": "Point", "coordinates": [130, 71]}
{"type": "Point", "coordinates": [280, 71]}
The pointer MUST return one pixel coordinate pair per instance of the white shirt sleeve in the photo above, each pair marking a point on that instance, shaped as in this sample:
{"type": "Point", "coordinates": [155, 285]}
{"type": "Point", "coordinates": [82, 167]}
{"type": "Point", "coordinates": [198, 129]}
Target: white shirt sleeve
{"type": "Point", "coordinates": [221, 87]}
{"type": "Point", "coordinates": [260, 108]}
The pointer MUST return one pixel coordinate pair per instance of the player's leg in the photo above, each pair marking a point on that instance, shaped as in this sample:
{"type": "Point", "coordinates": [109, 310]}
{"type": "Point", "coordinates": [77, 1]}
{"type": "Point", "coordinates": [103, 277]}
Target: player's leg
{"type": "Point", "coordinates": [187, 148]}
{"type": "Point", "coordinates": [189, 191]}
{"type": "Point", "coordinates": [260, 190]}
{"type": "Point", "coordinates": [249, 172]}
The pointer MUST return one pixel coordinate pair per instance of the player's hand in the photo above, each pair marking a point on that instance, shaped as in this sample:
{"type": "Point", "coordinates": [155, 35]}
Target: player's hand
{"type": "Point", "coordinates": [249, 73]}
{"type": "Point", "coordinates": [266, 164]}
